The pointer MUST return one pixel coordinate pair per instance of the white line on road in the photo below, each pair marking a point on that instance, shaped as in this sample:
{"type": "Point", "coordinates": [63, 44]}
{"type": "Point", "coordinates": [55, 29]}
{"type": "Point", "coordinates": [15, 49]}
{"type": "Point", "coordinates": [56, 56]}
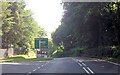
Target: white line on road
{"type": "Point", "coordinates": [34, 70]}
{"type": "Point", "coordinates": [109, 62]}
{"type": "Point", "coordinates": [76, 60]}
{"type": "Point", "coordinates": [86, 70]}
{"type": "Point", "coordinates": [84, 64]}
{"type": "Point", "coordinates": [90, 70]}
{"type": "Point", "coordinates": [28, 73]}
{"type": "Point", "coordinates": [37, 68]}
{"type": "Point", "coordinates": [11, 63]}
{"type": "Point", "coordinates": [80, 64]}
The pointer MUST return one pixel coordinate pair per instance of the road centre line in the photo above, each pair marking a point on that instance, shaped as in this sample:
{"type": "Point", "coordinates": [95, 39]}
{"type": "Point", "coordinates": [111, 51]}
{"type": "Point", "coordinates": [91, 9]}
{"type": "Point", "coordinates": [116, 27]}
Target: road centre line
{"type": "Point", "coordinates": [90, 70]}
{"type": "Point", "coordinates": [84, 64]}
{"type": "Point", "coordinates": [76, 61]}
{"type": "Point", "coordinates": [86, 70]}
{"type": "Point", "coordinates": [80, 64]}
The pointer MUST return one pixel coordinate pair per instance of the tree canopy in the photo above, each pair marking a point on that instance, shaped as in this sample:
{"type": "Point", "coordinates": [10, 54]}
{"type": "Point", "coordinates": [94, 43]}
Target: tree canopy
{"type": "Point", "coordinates": [18, 26]}
{"type": "Point", "coordinates": [92, 28]}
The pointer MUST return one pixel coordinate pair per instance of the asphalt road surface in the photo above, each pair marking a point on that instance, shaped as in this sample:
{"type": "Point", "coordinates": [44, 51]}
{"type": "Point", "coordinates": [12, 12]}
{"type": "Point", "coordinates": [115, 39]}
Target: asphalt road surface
{"type": "Point", "coordinates": [65, 66]}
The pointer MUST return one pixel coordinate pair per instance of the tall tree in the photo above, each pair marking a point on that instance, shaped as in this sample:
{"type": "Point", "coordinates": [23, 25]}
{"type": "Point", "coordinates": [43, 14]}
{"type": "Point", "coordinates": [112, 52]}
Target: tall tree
{"type": "Point", "coordinates": [96, 26]}
{"type": "Point", "coordinates": [19, 27]}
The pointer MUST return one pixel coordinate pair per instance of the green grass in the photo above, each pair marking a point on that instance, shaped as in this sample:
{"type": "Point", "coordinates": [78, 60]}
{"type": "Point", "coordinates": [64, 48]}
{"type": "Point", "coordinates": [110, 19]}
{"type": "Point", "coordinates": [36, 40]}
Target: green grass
{"type": "Point", "coordinates": [24, 58]}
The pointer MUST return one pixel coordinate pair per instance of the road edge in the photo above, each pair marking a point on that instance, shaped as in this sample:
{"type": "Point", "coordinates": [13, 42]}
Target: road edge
{"type": "Point", "coordinates": [109, 62]}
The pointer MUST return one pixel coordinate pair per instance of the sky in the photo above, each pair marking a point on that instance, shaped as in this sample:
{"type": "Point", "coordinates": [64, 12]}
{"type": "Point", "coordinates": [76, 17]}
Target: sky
{"type": "Point", "coordinates": [47, 13]}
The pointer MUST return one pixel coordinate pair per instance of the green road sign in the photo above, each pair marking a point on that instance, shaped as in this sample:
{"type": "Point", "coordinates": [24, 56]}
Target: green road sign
{"type": "Point", "coordinates": [41, 43]}
{"type": "Point", "coordinates": [37, 44]}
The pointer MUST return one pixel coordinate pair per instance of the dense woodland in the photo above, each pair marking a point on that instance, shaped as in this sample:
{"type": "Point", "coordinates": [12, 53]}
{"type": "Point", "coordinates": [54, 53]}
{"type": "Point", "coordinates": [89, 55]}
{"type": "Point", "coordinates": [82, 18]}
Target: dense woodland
{"type": "Point", "coordinates": [89, 29]}
{"type": "Point", "coordinates": [18, 27]}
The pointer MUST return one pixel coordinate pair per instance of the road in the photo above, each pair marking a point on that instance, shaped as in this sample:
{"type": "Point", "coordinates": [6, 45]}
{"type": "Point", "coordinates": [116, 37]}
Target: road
{"type": "Point", "coordinates": [62, 66]}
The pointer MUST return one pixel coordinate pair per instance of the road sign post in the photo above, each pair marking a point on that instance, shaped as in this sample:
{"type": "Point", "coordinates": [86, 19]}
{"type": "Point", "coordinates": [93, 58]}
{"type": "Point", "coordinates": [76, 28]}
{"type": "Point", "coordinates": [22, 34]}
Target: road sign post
{"type": "Point", "coordinates": [42, 45]}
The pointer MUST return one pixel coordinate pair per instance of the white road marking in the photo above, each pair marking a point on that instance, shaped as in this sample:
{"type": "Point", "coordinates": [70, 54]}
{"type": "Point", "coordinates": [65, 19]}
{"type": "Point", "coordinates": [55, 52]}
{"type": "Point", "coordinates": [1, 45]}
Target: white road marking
{"type": "Point", "coordinates": [90, 70]}
{"type": "Point", "coordinates": [28, 73]}
{"type": "Point", "coordinates": [34, 70]}
{"type": "Point", "coordinates": [84, 64]}
{"type": "Point", "coordinates": [37, 68]}
{"type": "Point", "coordinates": [80, 64]}
{"type": "Point", "coordinates": [86, 70]}
{"type": "Point", "coordinates": [113, 63]}
{"type": "Point", "coordinates": [12, 63]}
{"type": "Point", "coordinates": [77, 61]}
{"type": "Point", "coordinates": [108, 62]}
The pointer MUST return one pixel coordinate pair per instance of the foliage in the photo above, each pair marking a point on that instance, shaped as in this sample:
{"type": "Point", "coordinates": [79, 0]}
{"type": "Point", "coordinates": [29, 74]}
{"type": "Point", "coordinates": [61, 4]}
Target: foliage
{"type": "Point", "coordinates": [24, 58]}
{"type": "Point", "coordinates": [19, 27]}
{"type": "Point", "coordinates": [95, 27]}
{"type": "Point", "coordinates": [54, 50]}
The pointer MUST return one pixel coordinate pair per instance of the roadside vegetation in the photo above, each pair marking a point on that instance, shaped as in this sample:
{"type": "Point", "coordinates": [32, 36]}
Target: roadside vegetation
{"type": "Point", "coordinates": [90, 29]}
{"type": "Point", "coordinates": [54, 51]}
{"type": "Point", "coordinates": [25, 58]}
{"type": "Point", "coordinates": [18, 27]}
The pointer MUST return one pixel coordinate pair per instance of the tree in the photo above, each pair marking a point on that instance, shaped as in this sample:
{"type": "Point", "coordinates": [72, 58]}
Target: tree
{"type": "Point", "coordinates": [91, 28]}
{"type": "Point", "coordinates": [19, 27]}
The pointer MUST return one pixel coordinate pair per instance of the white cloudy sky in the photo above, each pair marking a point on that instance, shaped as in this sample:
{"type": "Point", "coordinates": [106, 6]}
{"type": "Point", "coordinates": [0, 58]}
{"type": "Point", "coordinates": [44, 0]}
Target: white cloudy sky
{"type": "Point", "coordinates": [47, 13]}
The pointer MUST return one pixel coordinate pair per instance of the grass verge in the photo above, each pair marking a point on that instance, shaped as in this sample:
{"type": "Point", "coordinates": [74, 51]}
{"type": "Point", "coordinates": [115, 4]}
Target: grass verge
{"type": "Point", "coordinates": [24, 58]}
